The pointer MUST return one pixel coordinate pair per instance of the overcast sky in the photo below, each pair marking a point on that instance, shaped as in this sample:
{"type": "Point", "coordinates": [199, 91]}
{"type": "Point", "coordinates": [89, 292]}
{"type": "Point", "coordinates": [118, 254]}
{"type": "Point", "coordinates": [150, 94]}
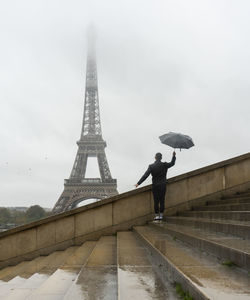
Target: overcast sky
{"type": "Point", "coordinates": [163, 65]}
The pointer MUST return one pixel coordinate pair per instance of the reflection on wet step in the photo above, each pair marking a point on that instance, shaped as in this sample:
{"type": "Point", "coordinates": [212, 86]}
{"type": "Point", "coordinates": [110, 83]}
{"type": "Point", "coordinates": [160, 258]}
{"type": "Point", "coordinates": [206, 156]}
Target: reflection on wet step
{"type": "Point", "coordinates": [7, 287]}
{"type": "Point", "coordinates": [204, 270]}
{"type": "Point", "coordinates": [63, 271]}
{"type": "Point", "coordinates": [98, 278]}
{"type": "Point", "coordinates": [95, 283]}
{"type": "Point", "coordinates": [26, 288]}
{"type": "Point", "coordinates": [136, 276]}
{"type": "Point", "coordinates": [222, 295]}
{"type": "Point", "coordinates": [140, 283]}
{"type": "Point", "coordinates": [55, 286]}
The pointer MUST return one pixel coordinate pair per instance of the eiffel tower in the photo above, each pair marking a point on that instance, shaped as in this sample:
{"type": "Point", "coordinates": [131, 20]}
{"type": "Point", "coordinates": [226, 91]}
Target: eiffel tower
{"type": "Point", "coordinates": [91, 144]}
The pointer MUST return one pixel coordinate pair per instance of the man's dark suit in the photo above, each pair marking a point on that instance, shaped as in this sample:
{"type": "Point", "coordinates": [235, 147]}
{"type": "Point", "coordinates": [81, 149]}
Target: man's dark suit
{"type": "Point", "coordinates": [158, 170]}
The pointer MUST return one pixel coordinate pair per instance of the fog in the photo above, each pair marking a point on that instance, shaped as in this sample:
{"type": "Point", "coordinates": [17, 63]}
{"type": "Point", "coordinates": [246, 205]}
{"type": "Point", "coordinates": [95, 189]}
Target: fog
{"type": "Point", "coordinates": [163, 66]}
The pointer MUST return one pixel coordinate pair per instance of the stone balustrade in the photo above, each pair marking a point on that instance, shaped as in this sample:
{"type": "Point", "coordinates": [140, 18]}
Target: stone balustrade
{"type": "Point", "coordinates": [121, 212]}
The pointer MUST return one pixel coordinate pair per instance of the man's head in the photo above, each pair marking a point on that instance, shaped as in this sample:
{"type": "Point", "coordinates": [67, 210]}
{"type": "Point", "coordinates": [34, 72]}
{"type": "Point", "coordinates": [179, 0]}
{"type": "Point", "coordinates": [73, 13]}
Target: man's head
{"type": "Point", "coordinates": [158, 156]}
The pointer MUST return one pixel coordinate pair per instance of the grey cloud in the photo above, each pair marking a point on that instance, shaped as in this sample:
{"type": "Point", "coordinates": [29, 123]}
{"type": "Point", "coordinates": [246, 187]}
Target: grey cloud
{"type": "Point", "coordinates": [162, 66]}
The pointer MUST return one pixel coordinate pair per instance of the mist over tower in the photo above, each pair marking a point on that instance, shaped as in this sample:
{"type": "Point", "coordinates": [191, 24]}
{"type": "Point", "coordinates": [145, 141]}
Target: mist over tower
{"type": "Point", "coordinates": [91, 144]}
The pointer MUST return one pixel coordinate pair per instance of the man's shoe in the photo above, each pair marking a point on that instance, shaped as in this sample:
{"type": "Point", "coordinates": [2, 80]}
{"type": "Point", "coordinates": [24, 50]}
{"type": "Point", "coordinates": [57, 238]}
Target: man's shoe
{"type": "Point", "coordinates": [156, 218]}
{"type": "Point", "coordinates": [160, 217]}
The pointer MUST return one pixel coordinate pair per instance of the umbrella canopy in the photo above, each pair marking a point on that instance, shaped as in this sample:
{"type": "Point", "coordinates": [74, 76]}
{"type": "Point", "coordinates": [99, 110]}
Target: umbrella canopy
{"type": "Point", "coordinates": [177, 140]}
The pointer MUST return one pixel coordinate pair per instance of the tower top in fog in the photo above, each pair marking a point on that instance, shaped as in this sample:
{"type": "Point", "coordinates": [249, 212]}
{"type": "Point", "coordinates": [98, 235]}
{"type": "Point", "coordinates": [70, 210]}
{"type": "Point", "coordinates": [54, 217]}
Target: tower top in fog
{"type": "Point", "coordinates": [91, 144]}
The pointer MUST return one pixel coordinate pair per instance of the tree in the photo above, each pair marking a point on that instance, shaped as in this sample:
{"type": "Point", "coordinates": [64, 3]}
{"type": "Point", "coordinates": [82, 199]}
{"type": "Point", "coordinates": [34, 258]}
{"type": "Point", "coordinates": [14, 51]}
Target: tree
{"type": "Point", "coordinates": [4, 215]}
{"type": "Point", "coordinates": [19, 217]}
{"type": "Point", "coordinates": [35, 212]}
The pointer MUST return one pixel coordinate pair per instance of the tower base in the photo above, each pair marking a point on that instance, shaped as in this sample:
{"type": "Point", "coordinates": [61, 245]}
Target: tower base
{"type": "Point", "coordinates": [74, 193]}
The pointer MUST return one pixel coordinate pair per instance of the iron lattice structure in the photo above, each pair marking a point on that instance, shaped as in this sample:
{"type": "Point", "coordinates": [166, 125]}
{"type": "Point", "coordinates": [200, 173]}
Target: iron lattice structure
{"type": "Point", "coordinates": [91, 144]}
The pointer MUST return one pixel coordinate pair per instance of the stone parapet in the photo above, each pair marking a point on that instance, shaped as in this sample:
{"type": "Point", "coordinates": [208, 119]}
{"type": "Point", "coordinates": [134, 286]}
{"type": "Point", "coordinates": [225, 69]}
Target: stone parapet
{"type": "Point", "coordinates": [121, 212]}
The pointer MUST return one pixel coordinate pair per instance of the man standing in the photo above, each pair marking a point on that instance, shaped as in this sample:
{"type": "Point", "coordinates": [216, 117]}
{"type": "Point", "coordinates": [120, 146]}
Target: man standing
{"type": "Point", "coordinates": [158, 170]}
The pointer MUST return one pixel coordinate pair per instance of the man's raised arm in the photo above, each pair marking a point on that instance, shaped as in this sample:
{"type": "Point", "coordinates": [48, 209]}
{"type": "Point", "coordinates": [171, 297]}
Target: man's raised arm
{"type": "Point", "coordinates": [171, 164]}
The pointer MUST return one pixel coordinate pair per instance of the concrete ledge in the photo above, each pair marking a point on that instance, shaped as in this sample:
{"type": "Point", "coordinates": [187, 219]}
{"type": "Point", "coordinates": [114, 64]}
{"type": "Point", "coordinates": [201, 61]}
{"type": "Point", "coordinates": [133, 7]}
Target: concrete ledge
{"type": "Point", "coordinates": [218, 249]}
{"type": "Point", "coordinates": [122, 211]}
{"type": "Point", "coordinates": [174, 209]}
{"type": "Point", "coordinates": [237, 229]}
{"type": "Point", "coordinates": [168, 271]}
{"type": "Point", "coordinates": [79, 240]}
{"type": "Point", "coordinates": [218, 215]}
{"type": "Point", "coordinates": [179, 178]}
{"type": "Point", "coordinates": [206, 181]}
{"type": "Point", "coordinates": [222, 164]}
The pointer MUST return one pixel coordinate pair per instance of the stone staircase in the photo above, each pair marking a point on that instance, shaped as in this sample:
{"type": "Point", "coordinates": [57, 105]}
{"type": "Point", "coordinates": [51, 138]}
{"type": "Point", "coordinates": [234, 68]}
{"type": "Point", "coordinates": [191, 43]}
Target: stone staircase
{"type": "Point", "coordinates": [205, 250]}
{"type": "Point", "coordinates": [114, 267]}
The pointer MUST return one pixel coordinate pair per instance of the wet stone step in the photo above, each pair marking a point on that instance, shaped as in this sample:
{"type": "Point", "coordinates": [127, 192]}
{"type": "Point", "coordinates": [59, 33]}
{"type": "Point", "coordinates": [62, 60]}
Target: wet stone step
{"type": "Point", "coordinates": [236, 228]}
{"type": "Point", "coordinates": [224, 207]}
{"type": "Point", "coordinates": [225, 247]}
{"type": "Point", "coordinates": [229, 201]}
{"type": "Point", "coordinates": [7, 287]}
{"type": "Point", "coordinates": [237, 195]}
{"type": "Point", "coordinates": [26, 288]}
{"type": "Point", "coordinates": [47, 265]}
{"type": "Point", "coordinates": [98, 278]}
{"type": "Point", "coordinates": [136, 276]}
{"type": "Point", "coordinates": [21, 272]}
{"type": "Point", "coordinates": [200, 273]}
{"type": "Point", "coordinates": [8, 273]}
{"type": "Point", "coordinates": [218, 215]}
{"type": "Point", "coordinates": [56, 285]}
{"type": "Point", "coordinates": [43, 267]}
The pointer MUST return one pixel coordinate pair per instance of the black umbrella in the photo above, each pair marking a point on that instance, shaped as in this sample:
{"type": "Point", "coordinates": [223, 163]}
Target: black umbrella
{"type": "Point", "coordinates": [177, 140]}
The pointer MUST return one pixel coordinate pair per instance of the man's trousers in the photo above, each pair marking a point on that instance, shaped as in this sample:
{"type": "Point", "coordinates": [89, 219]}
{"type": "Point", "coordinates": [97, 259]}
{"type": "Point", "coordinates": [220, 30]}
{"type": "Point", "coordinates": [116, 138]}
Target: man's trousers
{"type": "Point", "coordinates": [159, 192]}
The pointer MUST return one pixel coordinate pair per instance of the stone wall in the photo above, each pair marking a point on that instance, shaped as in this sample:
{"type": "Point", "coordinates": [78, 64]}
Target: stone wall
{"type": "Point", "coordinates": [121, 212]}
{"type": "Point", "coordinates": [214, 181]}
